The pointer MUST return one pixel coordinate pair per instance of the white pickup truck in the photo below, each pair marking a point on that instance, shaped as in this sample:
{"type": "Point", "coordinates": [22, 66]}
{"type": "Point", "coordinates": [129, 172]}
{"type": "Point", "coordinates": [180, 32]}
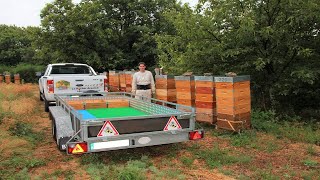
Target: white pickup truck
{"type": "Point", "coordinates": [69, 78]}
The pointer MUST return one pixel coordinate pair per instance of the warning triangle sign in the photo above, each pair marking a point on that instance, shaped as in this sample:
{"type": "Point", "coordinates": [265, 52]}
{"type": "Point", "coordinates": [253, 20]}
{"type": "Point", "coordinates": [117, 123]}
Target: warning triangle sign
{"type": "Point", "coordinates": [172, 124]}
{"type": "Point", "coordinates": [108, 130]}
{"type": "Point", "coordinates": [77, 149]}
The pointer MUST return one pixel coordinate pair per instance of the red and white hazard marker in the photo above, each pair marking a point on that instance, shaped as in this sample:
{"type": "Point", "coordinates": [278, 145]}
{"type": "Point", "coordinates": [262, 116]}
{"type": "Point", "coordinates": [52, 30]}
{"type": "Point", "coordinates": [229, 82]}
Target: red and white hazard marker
{"type": "Point", "coordinates": [172, 124]}
{"type": "Point", "coordinates": [108, 130]}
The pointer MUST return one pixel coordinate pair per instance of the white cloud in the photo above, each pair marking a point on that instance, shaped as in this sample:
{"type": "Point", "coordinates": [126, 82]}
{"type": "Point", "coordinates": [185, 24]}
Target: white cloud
{"type": "Point", "coordinates": [27, 12]}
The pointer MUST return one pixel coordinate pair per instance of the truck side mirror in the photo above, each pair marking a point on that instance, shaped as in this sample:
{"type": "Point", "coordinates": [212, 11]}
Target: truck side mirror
{"type": "Point", "coordinates": [39, 74]}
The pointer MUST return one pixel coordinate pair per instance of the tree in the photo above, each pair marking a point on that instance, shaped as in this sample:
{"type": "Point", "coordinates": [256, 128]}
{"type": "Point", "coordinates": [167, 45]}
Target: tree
{"type": "Point", "coordinates": [16, 45]}
{"type": "Point", "coordinates": [110, 33]}
{"type": "Point", "coordinates": [275, 41]}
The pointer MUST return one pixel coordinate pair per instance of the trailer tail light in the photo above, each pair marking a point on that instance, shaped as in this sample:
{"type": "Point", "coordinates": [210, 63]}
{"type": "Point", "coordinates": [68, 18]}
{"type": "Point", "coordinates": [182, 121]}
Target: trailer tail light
{"type": "Point", "coordinates": [196, 135]}
{"type": "Point", "coordinates": [77, 148]}
{"type": "Point", "coordinates": [50, 84]}
{"type": "Point", "coordinates": [105, 82]}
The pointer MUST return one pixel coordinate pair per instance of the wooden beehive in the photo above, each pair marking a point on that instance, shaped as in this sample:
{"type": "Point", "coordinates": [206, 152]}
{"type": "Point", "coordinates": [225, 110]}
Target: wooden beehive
{"type": "Point", "coordinates": [1, 78]}
{"type": "Point", "coordinates": [122, 80]}
{"type": "Point", "coordinates": [233, 102]}
{"type": "Point", "coordinates": [114, 81]}
{"type": "Point", "coordinates": [185, 89]}
{"type": "Point", "coordinates": [165, 88]}
{"type": "Point", "coordinates": [129, 75]}
{"type": "Point", "coordinates": [205, 99]}
{"type": "Point", "coordinates": [8, 78]}
{"type": "Point", "coordinates": [17, 78]}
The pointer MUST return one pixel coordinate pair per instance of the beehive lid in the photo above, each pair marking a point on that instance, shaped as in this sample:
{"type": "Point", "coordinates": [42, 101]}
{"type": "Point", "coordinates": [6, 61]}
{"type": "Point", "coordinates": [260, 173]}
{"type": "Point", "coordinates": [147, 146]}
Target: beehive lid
{"type": "Point", "coordinates": [182, 78]}
{"type": "Point", "coordinates": [164, 77]}
{"type": "Point", "coordinates": [232, 79]}
{"type": "Point", "coordinates": [204, 78]}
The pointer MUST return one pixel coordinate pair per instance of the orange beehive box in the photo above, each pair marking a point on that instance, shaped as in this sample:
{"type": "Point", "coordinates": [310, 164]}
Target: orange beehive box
{"type": "Point", "coordinates": [233, 102]}
{"type": "Point", "coordinates": [129, 76]}
{"type": "Point", "coordinates": [114, 81]}
{"type": "Point", "coordinates": [206, 115]}
{"type": "Point", "coordinates": [205, 99]}
{"type": "Point", "coordinates": [165, 88]}
{"type": "Point", "coordinates": [185, 89]}
{"type": "Point", "coordinates": [122, 80]}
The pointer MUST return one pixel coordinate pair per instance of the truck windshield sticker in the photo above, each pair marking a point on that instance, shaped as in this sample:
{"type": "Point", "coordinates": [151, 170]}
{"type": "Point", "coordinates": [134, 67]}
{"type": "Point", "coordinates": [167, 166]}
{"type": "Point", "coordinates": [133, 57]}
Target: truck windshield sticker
{"type": "Point", "coordinates": [108, 130]}
{"type": "Point", "coordinates": [172, 124]}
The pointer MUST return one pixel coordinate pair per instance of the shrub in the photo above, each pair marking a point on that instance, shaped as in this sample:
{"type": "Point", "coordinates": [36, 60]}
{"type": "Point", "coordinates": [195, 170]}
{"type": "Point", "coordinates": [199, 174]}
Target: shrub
{"type": "Point", "coordinates": [28, 72]}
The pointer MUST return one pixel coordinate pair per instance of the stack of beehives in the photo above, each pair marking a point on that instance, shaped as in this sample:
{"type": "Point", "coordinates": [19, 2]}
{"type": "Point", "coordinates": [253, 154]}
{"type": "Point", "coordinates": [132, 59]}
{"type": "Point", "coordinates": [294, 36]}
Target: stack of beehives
{"type": "Point", "coordinates": [165, 88]}
{"type": "Point", "coordinates": [129, 75]}
{"type": "Point", "coordinates": [233, 102]}
{"type": "Point", "coordinates": [205, 99]}
{"type": "Point", "coordinates": [185, 90]}
{"type": "Point", "coordinates": [114, 81]}
{"type": "Point", "coordinates": [122, 79]}
{"type": "Point", "coordinates": [1, 78]}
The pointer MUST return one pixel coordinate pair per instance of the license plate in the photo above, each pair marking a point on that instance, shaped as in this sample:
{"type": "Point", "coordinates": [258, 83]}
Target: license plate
{"type": "Point", "coordinates": [109, 144]}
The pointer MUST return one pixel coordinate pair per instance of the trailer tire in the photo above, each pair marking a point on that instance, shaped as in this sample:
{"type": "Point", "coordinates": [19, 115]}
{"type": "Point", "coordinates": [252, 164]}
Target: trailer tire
{"type": "Point", "coordinates": [54, 130]}
{"type": "Point", "coordinates": [62, 143]}
{"type": "Point", "coordinates": [46, 105]}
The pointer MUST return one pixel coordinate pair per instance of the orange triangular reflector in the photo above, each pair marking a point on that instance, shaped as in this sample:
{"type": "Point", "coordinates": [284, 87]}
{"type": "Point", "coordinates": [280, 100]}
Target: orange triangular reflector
{"type": "Point", "coordinates": [77, 149]}
{"type": "Point", "coordinates": [172, 124]}
{"type": "Point", "coordinates": [197, 136]}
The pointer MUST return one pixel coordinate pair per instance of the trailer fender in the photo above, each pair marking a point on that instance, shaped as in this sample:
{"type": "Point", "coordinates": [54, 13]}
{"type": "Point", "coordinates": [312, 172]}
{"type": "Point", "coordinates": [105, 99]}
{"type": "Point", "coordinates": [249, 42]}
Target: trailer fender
{"type": "Point", "coordinates": [61, 126]}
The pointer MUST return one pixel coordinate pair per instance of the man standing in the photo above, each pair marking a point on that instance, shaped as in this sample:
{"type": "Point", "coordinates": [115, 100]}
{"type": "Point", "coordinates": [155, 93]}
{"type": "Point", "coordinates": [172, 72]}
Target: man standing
{"type": "Point", "coordinates": [143, 83]}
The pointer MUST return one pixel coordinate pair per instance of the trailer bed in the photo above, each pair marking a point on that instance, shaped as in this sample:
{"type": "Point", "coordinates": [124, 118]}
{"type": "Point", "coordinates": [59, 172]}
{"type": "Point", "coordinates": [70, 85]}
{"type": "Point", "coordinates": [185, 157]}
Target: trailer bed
{"type": "Point", "coordinates": [141, 123]}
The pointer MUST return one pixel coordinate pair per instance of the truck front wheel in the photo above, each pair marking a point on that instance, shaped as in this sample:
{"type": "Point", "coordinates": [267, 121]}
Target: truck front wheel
{"type": "Point", "coordinates": [46, 105]}
{"type": "Point", "coordinates": [40, 96]}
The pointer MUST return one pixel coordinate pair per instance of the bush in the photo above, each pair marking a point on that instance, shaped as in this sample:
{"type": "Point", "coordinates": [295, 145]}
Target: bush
{"type": "Point", "coordinates": [4, 69]}
{"type": "Point", "coordinates": [28, 72]}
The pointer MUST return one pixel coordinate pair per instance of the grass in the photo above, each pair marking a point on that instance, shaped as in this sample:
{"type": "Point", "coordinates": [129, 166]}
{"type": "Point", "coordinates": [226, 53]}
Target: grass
{"type": "Point", "coordinates": [311, 150]}
{"type": "Point", "coordinates": [17, 166]}
{"type": "Point", "coordinates": [187, 161]}
{"type": "Point", "coordinates": [293, 129]}
{"type": "Point", "coordinates": [245, 139]}
{"type": "Point", "coordinates": [310, 163]}
{"type": "Point", "coordinates": [217, 157]}
{"type": "Point", "coordinates": [24, 130]}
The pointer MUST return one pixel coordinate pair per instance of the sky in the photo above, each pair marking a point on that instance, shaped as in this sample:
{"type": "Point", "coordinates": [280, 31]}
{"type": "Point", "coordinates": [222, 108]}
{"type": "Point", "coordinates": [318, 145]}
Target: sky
{"type": "Point", "coordinates": [25, 13]}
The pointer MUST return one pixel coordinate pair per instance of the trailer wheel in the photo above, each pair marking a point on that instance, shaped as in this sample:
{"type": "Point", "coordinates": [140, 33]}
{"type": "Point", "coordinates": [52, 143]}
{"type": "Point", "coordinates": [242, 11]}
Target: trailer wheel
{"type": "Point", "coordinates": [46, 105]}
{"type": "Point", "coordinates": [54, 130]}
{"type": "Point", "coordinates": [40, 96]}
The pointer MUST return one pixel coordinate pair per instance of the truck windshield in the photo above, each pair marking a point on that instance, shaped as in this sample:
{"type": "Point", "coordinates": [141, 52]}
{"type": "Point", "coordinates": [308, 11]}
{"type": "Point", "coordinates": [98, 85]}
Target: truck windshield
{"type": "Point", "coordinates": [70, 69]}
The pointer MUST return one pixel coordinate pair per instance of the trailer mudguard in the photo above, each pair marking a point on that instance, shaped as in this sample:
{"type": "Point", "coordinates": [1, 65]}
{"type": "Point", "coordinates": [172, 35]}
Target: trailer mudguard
{"type": "Point", "coordinates": [61, 126]}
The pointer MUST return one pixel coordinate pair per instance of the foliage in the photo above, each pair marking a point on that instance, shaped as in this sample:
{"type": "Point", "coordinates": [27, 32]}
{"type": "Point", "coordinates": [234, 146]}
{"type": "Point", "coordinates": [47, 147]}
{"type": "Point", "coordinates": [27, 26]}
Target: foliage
{"type": "Point", "coordinates": [108, 33]}
{"type": "Point", "coordinates": [295, 130]}
{"type": "Point", "coordinates": [273, 41]}
{"type": "Point", "coordinates": [28, 72]}
{"type": "Point", "coordinates": [16, 45]}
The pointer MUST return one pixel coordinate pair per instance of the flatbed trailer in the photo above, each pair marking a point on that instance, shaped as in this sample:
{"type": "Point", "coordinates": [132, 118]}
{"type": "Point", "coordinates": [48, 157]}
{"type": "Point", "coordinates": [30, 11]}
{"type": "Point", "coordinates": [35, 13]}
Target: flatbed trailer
{"type": "Point", "coordinates": [118, 120]}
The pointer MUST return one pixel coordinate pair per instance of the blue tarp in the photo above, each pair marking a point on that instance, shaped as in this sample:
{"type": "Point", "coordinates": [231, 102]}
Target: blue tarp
{"type": "Point", "coordinates": [86, 114]}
